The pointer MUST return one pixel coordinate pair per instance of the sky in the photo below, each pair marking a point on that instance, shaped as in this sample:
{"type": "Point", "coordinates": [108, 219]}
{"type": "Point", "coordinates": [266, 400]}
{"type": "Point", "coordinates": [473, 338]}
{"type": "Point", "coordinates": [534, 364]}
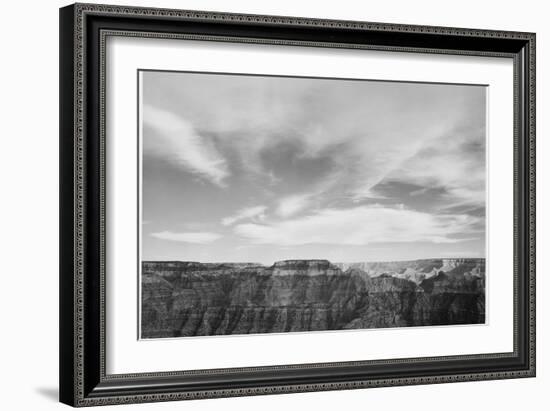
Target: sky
{"type": "Point", "coordinates": [241, 168]}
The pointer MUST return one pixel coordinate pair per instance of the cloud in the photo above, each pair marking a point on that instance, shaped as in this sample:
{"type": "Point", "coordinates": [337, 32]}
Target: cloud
{"type": "Point", "coordinates": [369, 128]}
{"type": "Point", "coordinates": [257, 212]}
{"type": "Point", "coordinates": [183, 145]}
{"type": "Point", "coordinates": [292, 205]}
{"type": "Point", "coordinates": [360, 226]}
{"type": "Point", "coordinates": [317, 152]}
{"type": "Point", "coordinates": [190, 237]}
{"type": "Point", "coordinates": [454, 161]}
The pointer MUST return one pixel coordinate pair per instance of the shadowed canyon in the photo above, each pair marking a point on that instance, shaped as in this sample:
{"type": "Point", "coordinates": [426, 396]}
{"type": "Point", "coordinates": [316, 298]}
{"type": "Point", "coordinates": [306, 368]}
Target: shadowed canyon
{"type": "Point", "coordinates": [180, 299]}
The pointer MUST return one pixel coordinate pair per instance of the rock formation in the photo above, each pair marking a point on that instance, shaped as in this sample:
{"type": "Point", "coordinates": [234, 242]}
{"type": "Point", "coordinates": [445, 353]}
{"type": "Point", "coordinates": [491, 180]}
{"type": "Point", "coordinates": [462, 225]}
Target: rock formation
{"type": "Point", "coordinates": [191, 298]}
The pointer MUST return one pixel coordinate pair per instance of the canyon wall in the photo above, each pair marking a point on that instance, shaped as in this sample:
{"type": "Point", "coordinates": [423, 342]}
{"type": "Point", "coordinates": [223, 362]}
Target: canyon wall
{"type": "Point", "coordinates": [195, 299]}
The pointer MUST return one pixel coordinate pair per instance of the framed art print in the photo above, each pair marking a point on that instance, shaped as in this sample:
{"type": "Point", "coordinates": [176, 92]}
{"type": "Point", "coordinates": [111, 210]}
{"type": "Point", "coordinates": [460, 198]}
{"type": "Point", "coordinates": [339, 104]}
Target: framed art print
{"type": "Point", "coordinates": [262, 204]}
{"type": "Point", "coordinates": [271, 182]}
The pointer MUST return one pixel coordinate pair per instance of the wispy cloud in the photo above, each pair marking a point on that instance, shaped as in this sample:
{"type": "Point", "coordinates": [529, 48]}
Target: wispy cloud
{"type": "Point", "coordinates": [360, 226]}
{"type": "Point", "coordinates": [256, 213]}
{"type": "Point", "coordinates": [292, 205]}
{"type": "Point", "coordinates": [455, 161]}
{"type": "Point", "coordinates": [316, 154]}
{"type": "Point", "coordinates": [183, 145]}
{"type": "Point", "coordinates": [190, 237]}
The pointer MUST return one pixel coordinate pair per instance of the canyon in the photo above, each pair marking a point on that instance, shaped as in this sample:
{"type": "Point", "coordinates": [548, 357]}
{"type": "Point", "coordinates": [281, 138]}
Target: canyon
{"type": "Point", "coordinates": [182, 299]}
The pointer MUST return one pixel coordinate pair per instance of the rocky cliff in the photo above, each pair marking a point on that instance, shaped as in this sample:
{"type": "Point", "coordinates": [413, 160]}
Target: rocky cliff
{"type": "Point", "coordinates": [419, 270]}
{"type": "Point", "coordinates": [190, 298]}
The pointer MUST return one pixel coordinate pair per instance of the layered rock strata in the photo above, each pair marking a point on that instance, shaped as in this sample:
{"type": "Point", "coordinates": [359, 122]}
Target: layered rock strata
{"type": "Point", "coordinates": [197, 299]}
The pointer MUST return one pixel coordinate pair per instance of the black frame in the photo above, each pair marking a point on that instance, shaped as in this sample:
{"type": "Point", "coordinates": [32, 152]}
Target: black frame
{"type": "Point", "coordinates": [83, 30]}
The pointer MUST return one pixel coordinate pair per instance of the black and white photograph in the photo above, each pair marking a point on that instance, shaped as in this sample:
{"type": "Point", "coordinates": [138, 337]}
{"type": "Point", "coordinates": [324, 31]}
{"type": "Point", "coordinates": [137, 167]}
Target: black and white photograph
{"type": "Point", "coordinates": [262, 199]}
{"type": "Point", "coordinates": [273, 204]}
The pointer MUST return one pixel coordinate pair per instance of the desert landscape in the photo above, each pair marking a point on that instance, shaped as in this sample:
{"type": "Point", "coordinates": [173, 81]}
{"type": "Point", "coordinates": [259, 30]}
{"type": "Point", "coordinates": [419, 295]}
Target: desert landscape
{"type": "Point", "coordinates": [182, 299]}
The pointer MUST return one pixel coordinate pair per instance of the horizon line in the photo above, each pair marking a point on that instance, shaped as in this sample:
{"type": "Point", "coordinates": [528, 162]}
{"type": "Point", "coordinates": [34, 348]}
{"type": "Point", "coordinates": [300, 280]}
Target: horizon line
{"type": "Point", "coordinates": [311, 259]}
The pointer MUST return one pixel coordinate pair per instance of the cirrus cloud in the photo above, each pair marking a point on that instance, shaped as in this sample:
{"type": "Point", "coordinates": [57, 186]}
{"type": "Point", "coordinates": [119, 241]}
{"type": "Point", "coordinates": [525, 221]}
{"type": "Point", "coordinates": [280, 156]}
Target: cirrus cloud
{"type": "Point", "coordinates": [362, 225]}
{"type": "Point", "coordinates": [257, 212]}
{"type": "Point", "coordinates": [292, 205]}
{"type": "Point", "coordinates": [188, 237]}
{"type": "Point", "coordinates": [183, 145]}
{"type": "Point", "coordinates": [316, 154]}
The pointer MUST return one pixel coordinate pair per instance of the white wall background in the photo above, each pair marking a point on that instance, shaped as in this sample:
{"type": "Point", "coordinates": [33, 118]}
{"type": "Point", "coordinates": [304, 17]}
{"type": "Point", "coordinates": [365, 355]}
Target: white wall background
{"type": "Point", "coordinates": [29, 204]}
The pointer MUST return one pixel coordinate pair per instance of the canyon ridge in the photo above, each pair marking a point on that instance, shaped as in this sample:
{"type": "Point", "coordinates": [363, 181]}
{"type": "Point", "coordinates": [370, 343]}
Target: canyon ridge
{"type": "Point", "coordinates": [180, 299]}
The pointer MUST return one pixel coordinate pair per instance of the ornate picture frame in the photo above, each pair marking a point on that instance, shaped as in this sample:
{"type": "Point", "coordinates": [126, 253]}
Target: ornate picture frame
{"type": "Point", "coordinates": [84, 32]}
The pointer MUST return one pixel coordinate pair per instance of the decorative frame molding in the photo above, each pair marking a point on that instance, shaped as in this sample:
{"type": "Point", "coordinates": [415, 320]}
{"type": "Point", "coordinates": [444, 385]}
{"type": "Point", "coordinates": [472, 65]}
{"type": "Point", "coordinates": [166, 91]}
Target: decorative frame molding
{"type": "Point", "coordinates": [83, 32]}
